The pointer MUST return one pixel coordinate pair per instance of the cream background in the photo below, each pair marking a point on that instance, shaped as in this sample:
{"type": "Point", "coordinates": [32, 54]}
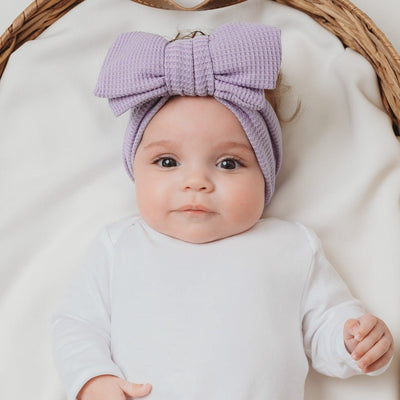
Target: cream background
{"type": "Point", "coordinates": [62, 178]}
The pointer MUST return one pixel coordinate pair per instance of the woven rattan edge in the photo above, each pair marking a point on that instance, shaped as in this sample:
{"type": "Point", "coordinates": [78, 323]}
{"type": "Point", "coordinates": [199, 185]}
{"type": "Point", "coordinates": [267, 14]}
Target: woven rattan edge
{"type": "Point", "coordinates": [204, 5]}
{"type": "Point", "coordinates": [29, 24]}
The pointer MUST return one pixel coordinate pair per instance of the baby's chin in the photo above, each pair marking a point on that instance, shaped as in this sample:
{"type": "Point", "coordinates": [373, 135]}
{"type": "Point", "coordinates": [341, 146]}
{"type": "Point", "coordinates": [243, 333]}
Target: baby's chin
{"type": "Point", "coordinates": [198, 238]}
{"type": "Point", "coordinates": [197, 229]}
{"type": "Point", "coordinates": [201, 236]}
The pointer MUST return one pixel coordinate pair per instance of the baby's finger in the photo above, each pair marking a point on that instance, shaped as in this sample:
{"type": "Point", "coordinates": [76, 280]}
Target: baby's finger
{"type": "Point", "coordinates": [381, 362]}
{"type": "Point", "coordinates": [367, 323]}
{"type": "Point", "coordinates": [349, 328]}
{"type": "Point", "coordinates": [134, 389]}
{"type": "Point", "coordinates": [368, 342]}
{"type": "Point", "coordinates": [377, 351]}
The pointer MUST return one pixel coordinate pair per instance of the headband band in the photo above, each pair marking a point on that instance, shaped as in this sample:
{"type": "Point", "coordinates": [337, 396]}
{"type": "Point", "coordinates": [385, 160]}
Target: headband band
{"type": "Point", "coordinates": [234, 64]}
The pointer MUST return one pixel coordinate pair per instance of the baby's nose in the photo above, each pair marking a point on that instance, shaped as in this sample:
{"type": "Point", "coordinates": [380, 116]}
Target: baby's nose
{"type": "Point", "coordinates": [198, 181]}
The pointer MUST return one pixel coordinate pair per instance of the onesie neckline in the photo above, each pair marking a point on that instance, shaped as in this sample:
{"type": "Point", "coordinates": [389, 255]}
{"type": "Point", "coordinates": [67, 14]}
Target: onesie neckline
{"type": "Point", "coordinates": [156, 234]}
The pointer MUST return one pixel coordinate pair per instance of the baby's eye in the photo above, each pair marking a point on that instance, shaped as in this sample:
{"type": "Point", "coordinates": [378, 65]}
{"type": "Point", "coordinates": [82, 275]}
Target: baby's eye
{"type": "Point", "coordinates": [166, 162]}
{"type": "Point", "coordinates": [229, 163]}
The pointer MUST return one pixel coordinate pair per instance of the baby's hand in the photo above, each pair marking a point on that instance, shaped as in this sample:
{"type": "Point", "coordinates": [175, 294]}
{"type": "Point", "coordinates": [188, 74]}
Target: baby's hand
{"type": "Point", "coordinates": [105, 387]}
{"type": "Point", "coordinates": [369, 342]}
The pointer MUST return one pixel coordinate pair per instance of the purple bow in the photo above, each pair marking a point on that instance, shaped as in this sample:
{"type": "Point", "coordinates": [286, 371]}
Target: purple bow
{"type": "Point", "coordinates": [232, 63]}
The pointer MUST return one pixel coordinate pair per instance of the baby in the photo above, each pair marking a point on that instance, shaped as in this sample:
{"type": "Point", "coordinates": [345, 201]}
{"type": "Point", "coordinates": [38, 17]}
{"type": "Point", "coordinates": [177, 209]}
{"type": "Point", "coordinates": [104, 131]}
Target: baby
{"type": "Point", "coordinates": [200, 295]}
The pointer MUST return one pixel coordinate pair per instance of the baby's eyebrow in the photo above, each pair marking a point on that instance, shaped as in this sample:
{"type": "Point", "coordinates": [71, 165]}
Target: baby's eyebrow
{"type": "Point", "coordinates": [234, 145]}
{"type": "Point", "coordinates": [228, 145]}
{"type": "Point", "coordinates": [161, 143]}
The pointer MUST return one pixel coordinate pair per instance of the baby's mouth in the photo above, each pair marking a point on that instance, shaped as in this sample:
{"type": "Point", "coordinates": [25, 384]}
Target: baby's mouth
{"type": "Point", "coordinates": [194, 208]}
{"type": "Point", "coordinates": [196, 212]}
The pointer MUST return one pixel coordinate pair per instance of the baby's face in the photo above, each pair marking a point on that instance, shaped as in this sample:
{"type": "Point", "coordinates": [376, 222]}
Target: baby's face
{"type": "Point", "coordinates": [196, 175]}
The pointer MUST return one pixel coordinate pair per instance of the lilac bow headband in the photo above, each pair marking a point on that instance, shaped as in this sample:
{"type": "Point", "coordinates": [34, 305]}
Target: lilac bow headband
{"type": "Point", "coordinates": [234, 64]}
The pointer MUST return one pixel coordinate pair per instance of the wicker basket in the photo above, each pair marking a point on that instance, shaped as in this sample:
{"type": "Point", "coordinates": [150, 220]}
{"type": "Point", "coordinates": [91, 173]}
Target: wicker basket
{"type": "Point", "coordinates": [355, 29]}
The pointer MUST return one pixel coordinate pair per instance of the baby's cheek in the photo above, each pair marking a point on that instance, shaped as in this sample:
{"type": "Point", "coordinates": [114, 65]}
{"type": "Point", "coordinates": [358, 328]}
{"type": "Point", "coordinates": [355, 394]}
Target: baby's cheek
{"type": "Point", "coordinates": [247, 204]}
{"type": "Point", "coordinates": [146, 199]}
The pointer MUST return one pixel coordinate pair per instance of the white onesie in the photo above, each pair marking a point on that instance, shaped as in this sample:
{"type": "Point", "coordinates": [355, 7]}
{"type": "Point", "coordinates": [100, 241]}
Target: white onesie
{"type": "Point", "coordinates": [231, 319]}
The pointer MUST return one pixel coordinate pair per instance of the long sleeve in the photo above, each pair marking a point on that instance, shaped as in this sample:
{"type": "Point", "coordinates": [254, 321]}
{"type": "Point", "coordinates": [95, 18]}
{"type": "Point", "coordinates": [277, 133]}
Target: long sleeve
{"type": "Point", "coordinates": [81, 322]}
{"type": "Point", "coordinates": [327, 304]}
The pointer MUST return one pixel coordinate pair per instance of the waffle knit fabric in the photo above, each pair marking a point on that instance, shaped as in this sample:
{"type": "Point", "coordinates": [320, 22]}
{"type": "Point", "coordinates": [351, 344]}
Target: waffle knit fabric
{"type": "Point", "coordinates": [234, 64]}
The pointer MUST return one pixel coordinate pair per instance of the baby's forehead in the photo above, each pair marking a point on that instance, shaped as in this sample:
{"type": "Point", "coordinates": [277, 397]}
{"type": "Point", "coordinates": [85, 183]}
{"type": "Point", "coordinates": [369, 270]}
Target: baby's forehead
{"type": "Point", "coordinates": [197, 106]}
{"type": "Point", "coordinates": [191, 99]}
{"type": "Point", "coordinates": [185, 118]}
{"type": "Point", "coordinates": [170, 144]}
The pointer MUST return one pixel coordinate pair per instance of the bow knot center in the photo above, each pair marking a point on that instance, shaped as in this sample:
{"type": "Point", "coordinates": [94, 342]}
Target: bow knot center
{"type": "Point", "coordinates": [194, 56]}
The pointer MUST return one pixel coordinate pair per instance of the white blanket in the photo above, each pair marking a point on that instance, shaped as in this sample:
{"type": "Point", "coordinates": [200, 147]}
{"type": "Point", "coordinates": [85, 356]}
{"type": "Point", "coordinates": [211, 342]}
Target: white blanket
{"type": "Point", "coordinates": [62, 176]}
